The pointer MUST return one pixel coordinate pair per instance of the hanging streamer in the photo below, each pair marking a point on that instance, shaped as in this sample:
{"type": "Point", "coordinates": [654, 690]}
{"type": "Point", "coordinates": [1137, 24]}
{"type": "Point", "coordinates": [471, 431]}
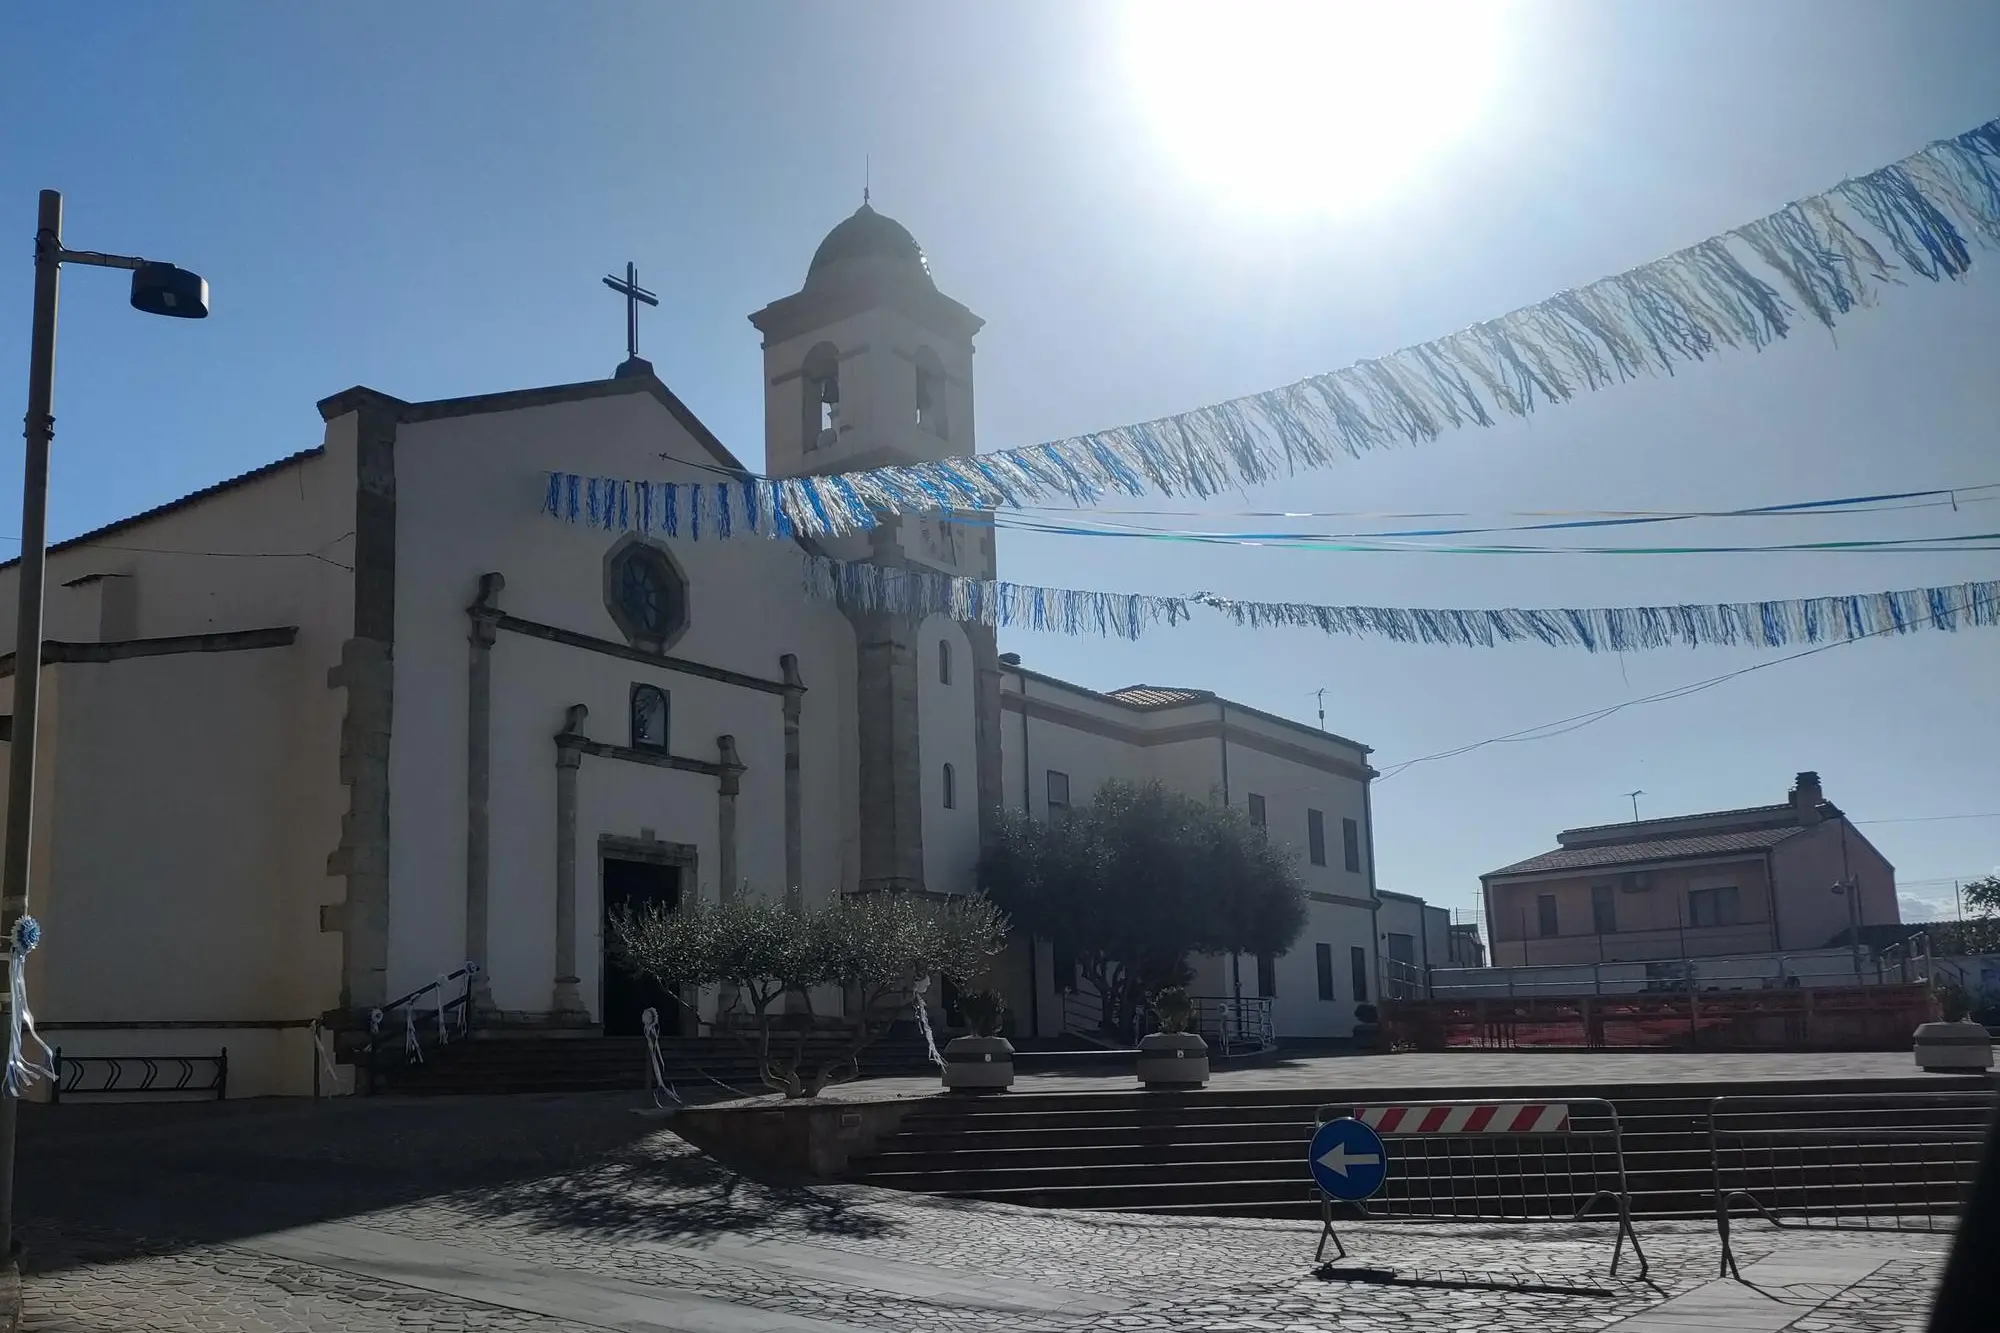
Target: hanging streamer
{"type": "Point", "coordinates": [1826, 255]}
{"type": "Point", "coordinates": [1772, 624]}
{"type": "Point", "coordinates": [23, 1067]}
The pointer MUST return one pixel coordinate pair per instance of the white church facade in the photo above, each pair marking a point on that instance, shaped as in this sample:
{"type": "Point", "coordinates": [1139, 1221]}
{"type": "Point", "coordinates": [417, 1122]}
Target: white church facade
{"type": "Point", "coordinates": [318, 734]}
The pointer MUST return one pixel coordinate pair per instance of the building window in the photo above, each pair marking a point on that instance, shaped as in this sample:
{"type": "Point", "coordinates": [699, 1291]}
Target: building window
{"type": "Point", "coordinates": [1603, 908]}
{"type": "Point", "coordinates": [821, 378]}
{"type": "Point", "coordinates": [1323, 956]}
{"type": "Point", "coordinates": [950, 788]}
{"type": "Point", "coordinates": [649, 717]}
{"type": "Point", "coordinates": [1545, 913]}
{"type": "Point", "coordinates": [944, 661]}
{"type": "Point", "coordinates": [1316, 837]}
{"type": "Point", "coordinates": [1357, 963]}
{"type": "Point", "coordinates": [646, 594]}
{"type": "Point", "coordinates": [1058, 790]}
{"type": "Point", "coordinates": [1350, 844]}
{"type": "Point", "coordinates": [1713, 907]}
{"type": "Point", "coordinates": [1267, 975]}
{"type": "Point", "coordinates": [1256, 809]}
{"type": "Point", "coordinates": [930, 395]}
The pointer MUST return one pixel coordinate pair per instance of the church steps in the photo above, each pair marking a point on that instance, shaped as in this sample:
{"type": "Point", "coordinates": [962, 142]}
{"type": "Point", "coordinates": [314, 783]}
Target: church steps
{"type": "Point", "coordinates": [1242, 1153]}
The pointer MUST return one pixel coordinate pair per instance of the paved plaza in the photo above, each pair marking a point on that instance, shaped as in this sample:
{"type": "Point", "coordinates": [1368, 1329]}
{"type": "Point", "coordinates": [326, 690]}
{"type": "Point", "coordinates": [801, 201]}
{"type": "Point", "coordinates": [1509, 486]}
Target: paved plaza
{"type": "Point", "coordinates": [1464, 1071]}
{"type": "Point", "coordinates": [580, 1213]}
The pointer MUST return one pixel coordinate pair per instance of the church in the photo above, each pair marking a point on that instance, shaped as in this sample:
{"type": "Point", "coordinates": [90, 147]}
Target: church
{"type": "Point", "coordinates": [427, 726]}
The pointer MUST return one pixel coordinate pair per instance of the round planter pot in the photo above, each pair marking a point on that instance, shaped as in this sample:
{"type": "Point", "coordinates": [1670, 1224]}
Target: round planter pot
{"type": "Point", "coordinates": [978, 1064]}
{"type": "Point", "coordinates": [1944, 1048]}
{"type": "Point", "coordinates": [1173, 1060]}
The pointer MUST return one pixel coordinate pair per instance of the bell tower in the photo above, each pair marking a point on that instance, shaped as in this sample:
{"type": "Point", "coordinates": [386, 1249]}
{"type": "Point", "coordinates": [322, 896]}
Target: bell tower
{"type": "Point", "coordinates": [869, 365]}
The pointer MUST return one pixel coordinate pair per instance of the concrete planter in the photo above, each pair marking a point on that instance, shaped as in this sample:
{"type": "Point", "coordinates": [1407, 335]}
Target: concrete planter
{"type": "Point", "coordinates": [979, 1064]}
{"type": "Point", "coordinates": [1944, 1048]}
{"type": "Point", "coordinates": [1173, 1060]}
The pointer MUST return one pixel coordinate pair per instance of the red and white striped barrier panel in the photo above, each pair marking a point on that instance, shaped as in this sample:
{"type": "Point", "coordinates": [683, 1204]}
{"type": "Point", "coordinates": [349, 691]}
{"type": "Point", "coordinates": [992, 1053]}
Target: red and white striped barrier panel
{"type": "Point", "coordinates": [1467, 1118]}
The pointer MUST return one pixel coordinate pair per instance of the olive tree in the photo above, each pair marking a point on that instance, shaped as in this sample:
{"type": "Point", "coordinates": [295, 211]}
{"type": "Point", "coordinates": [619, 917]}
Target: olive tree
{"type": "Point", "coordinates": [1137, 880]}
{"type": "Point", "coordinates": [878, 949]}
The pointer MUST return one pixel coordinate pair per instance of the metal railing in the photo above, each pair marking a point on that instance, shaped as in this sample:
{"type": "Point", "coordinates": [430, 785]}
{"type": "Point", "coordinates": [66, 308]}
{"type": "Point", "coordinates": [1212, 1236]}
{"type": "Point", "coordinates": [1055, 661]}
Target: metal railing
{"type": "Point", "coordinates": [1236, 1023]}
{"type": "Point", "coordinates": [1403, 981]}
{"type": "Point", "coordinates": [1232, 1024]}
{"type": "Point", "coordinates": [452, 1012]}
{"type": "Point", "coordinates": [1899, 964]}
{"type": "Point", "coordinates": [1846, 1162]}
{"type": "Point", "coordinates": [89, 1075]}
{"type": "Point", "coordinates": [1496, 1162]}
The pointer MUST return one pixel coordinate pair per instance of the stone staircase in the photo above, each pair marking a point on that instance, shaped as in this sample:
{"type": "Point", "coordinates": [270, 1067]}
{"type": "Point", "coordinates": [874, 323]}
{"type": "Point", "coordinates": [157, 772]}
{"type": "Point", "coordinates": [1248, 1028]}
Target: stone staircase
{"type": "Point", "coordinates": [1242, 1153]}
{"type": "Point", "coordinates": [698, 1067]}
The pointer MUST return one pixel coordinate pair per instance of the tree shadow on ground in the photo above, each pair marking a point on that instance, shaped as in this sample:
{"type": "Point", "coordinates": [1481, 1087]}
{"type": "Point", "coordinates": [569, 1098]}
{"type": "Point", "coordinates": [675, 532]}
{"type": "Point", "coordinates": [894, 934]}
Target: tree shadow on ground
{"type": "Point", "coordinates": [101, 1183]}
{"type": "Point", "coordinates": [665, 1189]}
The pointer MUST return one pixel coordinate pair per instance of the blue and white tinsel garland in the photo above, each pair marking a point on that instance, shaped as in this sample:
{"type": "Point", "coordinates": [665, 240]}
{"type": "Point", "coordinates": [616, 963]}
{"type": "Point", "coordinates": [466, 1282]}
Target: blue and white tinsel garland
{"type": "Point", "coordinates": [915, 593]}
{"type": "Point", "coordinates": [1818, 259]}
{"type": "Point", "coordinates": [23, 1067]}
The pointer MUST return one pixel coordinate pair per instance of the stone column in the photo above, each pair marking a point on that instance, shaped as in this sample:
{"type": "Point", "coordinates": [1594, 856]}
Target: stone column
{"type": "Point", "coordinates": [731, 782]}
{"type": "Point", "coordinates": [567, 1006]}
{"type": "Point", "coordinates": [795, 693]}
{"type": "Point", "coordinates": [485, 614]}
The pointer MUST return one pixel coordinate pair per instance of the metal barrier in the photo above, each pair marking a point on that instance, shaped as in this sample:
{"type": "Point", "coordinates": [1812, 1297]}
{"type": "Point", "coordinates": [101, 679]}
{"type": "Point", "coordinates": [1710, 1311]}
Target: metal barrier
{"type": "Point", "coordinates": [73, 1074]}
{"type": "Point", "coordinates": [1496, 1161]}
{"type": "Point", "coordinates": [1846, 1162]}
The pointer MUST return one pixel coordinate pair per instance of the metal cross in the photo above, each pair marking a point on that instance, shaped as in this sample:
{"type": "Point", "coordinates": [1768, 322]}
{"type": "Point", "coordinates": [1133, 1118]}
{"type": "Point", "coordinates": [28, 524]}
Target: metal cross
{"type": "Point", "coordinates": [633, 294]}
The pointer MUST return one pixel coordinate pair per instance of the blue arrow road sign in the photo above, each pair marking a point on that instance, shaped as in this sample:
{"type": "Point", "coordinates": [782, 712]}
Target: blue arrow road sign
{"type": "Point", "coordinates": [1347, 1159]}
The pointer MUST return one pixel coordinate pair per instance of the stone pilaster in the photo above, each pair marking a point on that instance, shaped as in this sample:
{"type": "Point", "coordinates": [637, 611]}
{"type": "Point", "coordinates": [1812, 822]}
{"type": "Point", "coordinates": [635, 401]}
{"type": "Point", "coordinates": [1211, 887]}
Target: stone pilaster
{"type": "Point", "coordinates": [567, 1005]}
{"type": "Point", "coordinates": [484, 613]}
{"type": "Point", "coordinates": [795, 695]}
{"type": "Point", "coordinates": [367, 673]}
{"type": "Point", "coordinates": [885, 645]}
{"type": "Point", "coordinates": [730, 784]}
{"type": "Point", "coordinates": [985, 643]}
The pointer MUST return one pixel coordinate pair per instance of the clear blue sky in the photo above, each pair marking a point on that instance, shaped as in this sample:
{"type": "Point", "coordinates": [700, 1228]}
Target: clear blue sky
{"type": "Point", "coordinates": [422, 198]}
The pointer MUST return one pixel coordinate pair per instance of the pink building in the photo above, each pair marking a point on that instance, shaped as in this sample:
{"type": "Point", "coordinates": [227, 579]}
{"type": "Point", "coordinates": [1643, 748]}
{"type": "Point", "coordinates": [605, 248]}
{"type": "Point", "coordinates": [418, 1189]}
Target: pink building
{"type": "Point", "coordinates": [1768, 878]}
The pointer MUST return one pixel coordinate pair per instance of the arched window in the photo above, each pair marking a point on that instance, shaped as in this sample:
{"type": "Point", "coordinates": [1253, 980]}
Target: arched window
{"type": "Point", "coordinates": [950, 788]}
{"type": "Point", "coordinates": [944, 661]}
{"type": "Point", "coordinates": [649, 717]}
{"type": "Point", "coordinates": [821, 377]}
{"type": "Point", "coordinates": [931, 416]}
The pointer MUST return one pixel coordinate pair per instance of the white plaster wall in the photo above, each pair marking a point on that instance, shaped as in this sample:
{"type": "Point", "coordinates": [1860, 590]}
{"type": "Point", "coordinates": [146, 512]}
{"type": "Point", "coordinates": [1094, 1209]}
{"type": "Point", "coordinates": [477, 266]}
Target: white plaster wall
{"type": "Point", "coordinates": [946, 715]}
{"type": "Point", "coordinates": [469, 492]}
{"type": "Point", "coordinates": [878, 395]}
{"type": "Point", "coordinates": [1298, 1011]}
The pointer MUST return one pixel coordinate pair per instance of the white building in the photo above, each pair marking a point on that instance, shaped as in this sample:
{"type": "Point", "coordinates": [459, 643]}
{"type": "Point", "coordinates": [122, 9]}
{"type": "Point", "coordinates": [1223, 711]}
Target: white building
{"type": "Point", "coordinates": [1060, 742]}
{"type": "Point", "coordinates": [316, 735]}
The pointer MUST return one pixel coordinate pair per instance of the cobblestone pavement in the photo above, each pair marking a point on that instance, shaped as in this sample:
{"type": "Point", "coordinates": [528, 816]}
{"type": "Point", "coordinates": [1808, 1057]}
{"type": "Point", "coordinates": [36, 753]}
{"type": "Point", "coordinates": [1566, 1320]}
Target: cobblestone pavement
{"type": "Point", "coordinates": [575, 1213]}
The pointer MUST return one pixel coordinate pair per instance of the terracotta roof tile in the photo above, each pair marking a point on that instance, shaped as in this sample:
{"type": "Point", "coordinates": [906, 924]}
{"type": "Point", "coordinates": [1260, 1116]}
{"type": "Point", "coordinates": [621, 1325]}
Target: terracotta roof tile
{"type": "Point", "coordinates": [1663, 849]}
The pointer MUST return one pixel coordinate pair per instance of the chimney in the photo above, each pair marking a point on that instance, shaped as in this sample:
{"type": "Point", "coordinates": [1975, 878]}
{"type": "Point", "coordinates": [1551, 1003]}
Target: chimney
{"type": "Point", "coordinates": [1806, 798]}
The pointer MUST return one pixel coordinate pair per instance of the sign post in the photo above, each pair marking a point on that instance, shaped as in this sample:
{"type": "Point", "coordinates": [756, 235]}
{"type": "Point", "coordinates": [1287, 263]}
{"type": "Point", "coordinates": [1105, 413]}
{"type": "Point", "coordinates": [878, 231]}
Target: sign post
{"type": "Point", "coordinates": [1349, 1164]}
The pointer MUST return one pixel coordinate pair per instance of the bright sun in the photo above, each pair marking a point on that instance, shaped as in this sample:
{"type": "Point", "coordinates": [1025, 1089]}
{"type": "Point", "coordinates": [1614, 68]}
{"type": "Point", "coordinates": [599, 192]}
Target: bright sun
{"type": "Point", "coordinates": [1322, 106]}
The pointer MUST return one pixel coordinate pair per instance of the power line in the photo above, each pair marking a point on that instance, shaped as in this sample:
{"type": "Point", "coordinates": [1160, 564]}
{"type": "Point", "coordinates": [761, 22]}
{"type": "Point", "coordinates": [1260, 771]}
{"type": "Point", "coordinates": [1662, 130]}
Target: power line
{"type": "Point", "coordinates": [1578, 721]}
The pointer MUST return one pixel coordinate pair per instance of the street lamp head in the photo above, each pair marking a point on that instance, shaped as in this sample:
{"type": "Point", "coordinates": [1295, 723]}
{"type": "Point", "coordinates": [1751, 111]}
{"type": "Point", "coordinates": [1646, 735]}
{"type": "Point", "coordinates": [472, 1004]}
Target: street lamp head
{"type": "Point", "coordinates": [162, 289]}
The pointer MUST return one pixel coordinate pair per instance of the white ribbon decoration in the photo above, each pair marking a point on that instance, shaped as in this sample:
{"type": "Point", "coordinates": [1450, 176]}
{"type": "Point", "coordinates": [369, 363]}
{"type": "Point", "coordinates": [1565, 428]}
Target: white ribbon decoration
{"type": "Point", "coordinates": [22, 1068]}
{"type": "Point", "coordinates": [444, 1033]}
{"type": "Point", "coordinates": [924, 1023]}
{"type": "Point", "coordinates": [325, 1054]}
{"type": "Point", "coordinates": [656, 1064]}
{"type": "Point", "coordinates": [411, 1046]}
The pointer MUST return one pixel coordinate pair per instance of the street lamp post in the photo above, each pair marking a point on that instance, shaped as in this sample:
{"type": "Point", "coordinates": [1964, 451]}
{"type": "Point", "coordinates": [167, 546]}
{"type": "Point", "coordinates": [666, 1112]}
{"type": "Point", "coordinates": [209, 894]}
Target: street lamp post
{"type": "Point", "coordinates": [157, 289]}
